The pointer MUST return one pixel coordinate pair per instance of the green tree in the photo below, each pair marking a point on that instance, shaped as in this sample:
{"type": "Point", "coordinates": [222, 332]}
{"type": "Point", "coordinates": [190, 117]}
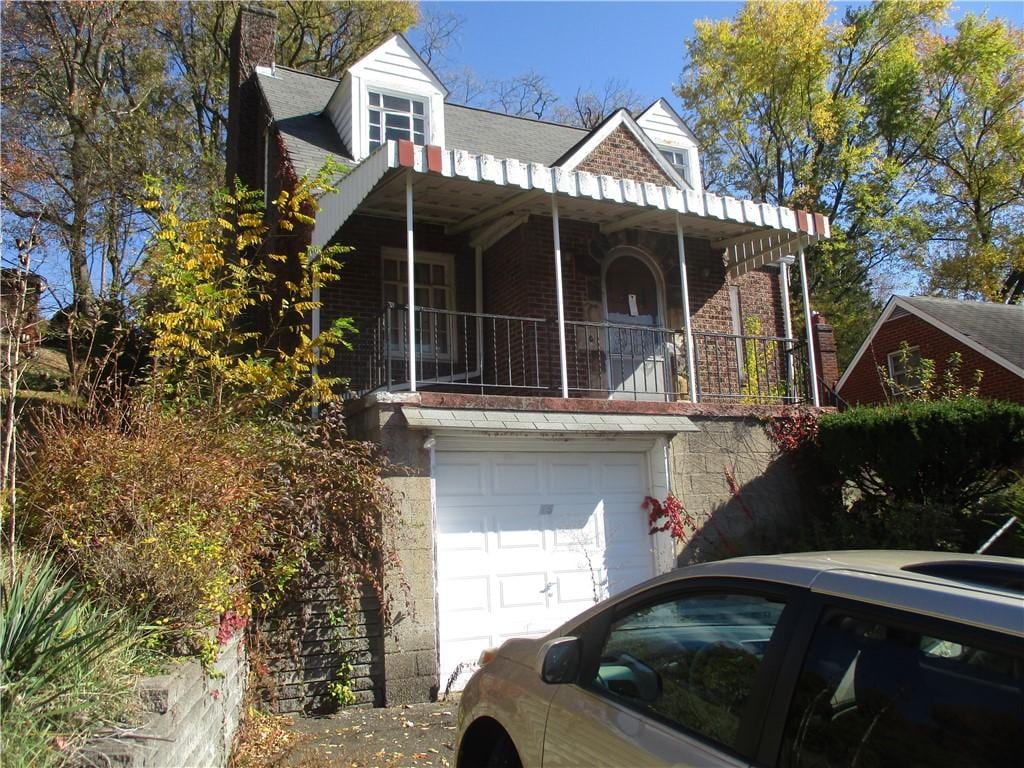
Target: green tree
{"type": "Point", "coordinates": [792, 109]}
{"type": "Point", "coordinates": [213, 276]}
{"type": "Point", "coordinates": [973, 146]}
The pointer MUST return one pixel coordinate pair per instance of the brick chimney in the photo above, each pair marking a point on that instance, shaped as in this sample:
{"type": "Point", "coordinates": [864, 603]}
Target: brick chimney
{"type": "Point", "coordinates": [825, 356]}
{"type": "Point", "coordinates": [251, 45]}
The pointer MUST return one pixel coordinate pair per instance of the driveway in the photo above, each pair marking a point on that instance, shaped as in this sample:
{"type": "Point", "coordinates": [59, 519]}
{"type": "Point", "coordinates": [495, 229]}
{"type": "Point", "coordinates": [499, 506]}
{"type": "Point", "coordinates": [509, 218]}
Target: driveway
{"type": "Point", "coordinates": [411, 736]}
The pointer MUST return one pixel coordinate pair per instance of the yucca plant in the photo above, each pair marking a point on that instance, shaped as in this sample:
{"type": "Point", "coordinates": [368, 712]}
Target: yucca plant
{"type": "Point", "coordinates": [66, 664]}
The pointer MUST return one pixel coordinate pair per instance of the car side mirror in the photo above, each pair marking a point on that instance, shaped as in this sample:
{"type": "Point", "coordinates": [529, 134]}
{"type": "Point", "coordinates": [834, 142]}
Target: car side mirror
{"type": "Point", "coordinates": [560, 660]}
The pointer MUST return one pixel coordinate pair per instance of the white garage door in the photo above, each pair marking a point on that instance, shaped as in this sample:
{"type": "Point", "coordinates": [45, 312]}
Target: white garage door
{"type": "Point", "coordinates": [525, 541]}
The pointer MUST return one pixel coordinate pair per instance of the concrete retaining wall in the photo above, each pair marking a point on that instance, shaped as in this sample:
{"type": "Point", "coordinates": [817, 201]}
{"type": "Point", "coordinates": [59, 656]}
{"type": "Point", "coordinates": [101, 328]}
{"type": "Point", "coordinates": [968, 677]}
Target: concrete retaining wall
{"type": "Point", "coordinates": [192, 717]}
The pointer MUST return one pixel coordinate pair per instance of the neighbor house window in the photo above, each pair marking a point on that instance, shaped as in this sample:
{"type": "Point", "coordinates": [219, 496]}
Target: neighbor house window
{"type": "Point", "coordinates": [435, 296]}
{"type": "Point", "coordinates": [905, 367]}
{"type": "Point", "coordinates": [678, 159]}
{"type": "Point", "coordinates": [396, 117]}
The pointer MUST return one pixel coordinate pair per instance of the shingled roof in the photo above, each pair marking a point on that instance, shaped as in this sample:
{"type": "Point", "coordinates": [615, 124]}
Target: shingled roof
{"type": "Point", "coordinates": [297, 101]}
{"type": "Point", "coordinates": [998, 328]}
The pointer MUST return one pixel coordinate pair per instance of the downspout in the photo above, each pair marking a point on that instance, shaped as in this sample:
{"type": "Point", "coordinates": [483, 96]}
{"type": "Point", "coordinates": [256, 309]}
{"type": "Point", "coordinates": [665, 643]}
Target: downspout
{"type": "Point", "coordinates": [787, 321]}
{"type": "Point", "coordinates": [687, 327]}
{"type": "Point", "coordinates": [563, 364]}
{"type": "Point", "coordinates": [811, 367]}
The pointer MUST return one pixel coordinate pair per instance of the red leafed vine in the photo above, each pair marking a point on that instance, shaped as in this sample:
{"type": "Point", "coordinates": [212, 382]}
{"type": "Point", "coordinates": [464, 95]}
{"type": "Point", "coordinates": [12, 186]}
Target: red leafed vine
{"type": "Point", "coordinates": [677, 521]}
{"type": "Point", "coordinates": [794, 430]}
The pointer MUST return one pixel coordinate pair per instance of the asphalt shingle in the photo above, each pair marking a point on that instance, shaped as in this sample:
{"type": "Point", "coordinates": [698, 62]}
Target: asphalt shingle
{"type": "Point", "coordinates": [297, 101]}
{"type": "Point", "coordinates": [997, 327]}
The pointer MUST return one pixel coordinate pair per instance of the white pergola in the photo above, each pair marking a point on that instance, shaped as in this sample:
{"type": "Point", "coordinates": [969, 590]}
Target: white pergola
{"type": "Point", "coordinates": [487, 197]}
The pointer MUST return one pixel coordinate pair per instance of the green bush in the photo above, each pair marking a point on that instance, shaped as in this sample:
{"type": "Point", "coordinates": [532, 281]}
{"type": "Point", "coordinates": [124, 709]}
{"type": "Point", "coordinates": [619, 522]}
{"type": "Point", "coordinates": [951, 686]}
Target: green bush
{"type": "Point", "coordinates": [920, 474]}
{"type": "Point", "coordinates": [67, 666]}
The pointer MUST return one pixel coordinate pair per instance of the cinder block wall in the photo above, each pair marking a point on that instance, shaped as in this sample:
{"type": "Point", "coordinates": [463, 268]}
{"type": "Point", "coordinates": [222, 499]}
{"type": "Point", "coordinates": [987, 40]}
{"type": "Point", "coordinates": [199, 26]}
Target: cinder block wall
{"type": "Point", "coordinates": [191, 720]}
{"type": "Point", "coordinates": [307, 640]}
{"type": "Point", "coordinates": [762, 517]}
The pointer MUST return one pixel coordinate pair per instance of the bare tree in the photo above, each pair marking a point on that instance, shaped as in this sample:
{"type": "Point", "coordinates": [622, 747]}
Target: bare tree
{"type": "Point", "coordinates": [440, 30]}
{"type": "Point", "coordinates": [590, 107]}
{"type": "Point", "coordinates": [525, 95]}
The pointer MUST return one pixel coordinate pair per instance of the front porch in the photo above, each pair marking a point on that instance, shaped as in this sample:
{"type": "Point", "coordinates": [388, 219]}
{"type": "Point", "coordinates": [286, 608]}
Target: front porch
{"type": "Point", "coordinates": [483, 275]}
{"type": "Point", "coordinates": [482, 353]}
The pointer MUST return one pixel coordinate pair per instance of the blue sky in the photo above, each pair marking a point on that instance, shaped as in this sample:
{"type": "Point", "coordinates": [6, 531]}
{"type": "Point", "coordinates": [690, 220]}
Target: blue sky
{"type": "Point", "coordinates": [583, 44]}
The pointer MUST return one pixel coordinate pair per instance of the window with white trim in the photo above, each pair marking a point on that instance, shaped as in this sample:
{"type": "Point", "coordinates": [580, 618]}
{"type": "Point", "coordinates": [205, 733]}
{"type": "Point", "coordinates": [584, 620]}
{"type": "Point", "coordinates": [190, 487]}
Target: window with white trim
{"type": "Point", "coordinates": [434, 286]}
{"type": "Point", "coordinates": [905, 367]}
{"type": "Point", "coordinates": [396, 117]}
{"type": "Point", "coordinates": [678, 159]}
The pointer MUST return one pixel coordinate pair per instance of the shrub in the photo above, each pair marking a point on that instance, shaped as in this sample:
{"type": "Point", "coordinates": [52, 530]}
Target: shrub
{"type": "Point", "coordinates": [67, 666]}
{"type": "Point", "coordinates": [188, 518]}
{"type": "Point", "coordinates": [918, 474]}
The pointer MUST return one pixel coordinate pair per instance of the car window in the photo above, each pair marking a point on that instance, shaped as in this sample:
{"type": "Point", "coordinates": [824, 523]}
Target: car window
{"type": "Point", "coordinates": [871, 695]}
{"type": "Point", "coordinates": [690, 660]}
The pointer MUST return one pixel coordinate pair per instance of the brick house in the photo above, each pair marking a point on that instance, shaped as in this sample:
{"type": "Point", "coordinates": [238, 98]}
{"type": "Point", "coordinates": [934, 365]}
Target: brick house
{"type": "Point", "coordinates": [989, 338]}
{"type": "Point", "coordinates": [554, 324]}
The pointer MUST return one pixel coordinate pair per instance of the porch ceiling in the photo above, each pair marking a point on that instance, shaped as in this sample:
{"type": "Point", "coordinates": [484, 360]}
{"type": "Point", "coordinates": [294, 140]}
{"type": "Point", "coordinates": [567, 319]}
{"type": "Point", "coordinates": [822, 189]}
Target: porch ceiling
{"type": "Point", "coordinates": [465, 193]}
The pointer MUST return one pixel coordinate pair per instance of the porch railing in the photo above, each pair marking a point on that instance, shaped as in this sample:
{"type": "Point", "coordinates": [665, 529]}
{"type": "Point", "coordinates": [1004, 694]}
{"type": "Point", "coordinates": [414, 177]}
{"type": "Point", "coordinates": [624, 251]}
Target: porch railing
{"type": "Point", "coordinates": [503, 353]}
{"type": "Point", "coordinates": [457, 349]}
{"type": "Point", "coordinates": [633, 362]}
{"type": "Point", "coordinates": [754, 370]}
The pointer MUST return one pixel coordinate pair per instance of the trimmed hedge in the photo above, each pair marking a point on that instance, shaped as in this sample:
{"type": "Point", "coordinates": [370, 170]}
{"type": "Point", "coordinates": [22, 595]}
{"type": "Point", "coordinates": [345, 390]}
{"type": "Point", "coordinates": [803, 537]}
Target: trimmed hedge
{"type": "Point", "coordinates": [932, 475]}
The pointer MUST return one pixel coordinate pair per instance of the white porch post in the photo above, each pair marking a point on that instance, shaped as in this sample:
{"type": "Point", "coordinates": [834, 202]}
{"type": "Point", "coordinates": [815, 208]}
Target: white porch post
{"type": "Point", "coordinates": [812, 369]}
{"type": "Point", "coordinates": [563, 363]}
{"type": "Point", "coordinates": [314, 332]}
{"type": "Point", "coordinates": [478, 266]}
{"type": "Point", "coordinates": [411, 279]}
{"type": "Point", "coordinates": [787, 319]}
{"type": "Point", "coordinates": [687, 329]}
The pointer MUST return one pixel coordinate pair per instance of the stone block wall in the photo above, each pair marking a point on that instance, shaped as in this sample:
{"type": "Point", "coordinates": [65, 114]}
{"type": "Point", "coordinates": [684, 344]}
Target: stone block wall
{"type": "Point", "coordinates": [745, 497]}
{"type": "Point", "coordinates": [191, 717]}
{"type": "Point", "coordinates": [410, 650]}
{"type": "Point", "coordinates": [308, 641]}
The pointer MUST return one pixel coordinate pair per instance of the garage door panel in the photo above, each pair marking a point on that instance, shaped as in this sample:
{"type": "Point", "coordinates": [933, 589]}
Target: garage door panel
{"type": "Point", "coordinates": [523, 590]}
{"type": "Point", "coordinates": [621, 478]}
{"type": "Point", "coordinates": [461, 477]}
{"type": "Point", "coordinates": [570, 478]}
{"type": "Point", "coordinates": [468, 594]}
{"type": "Point", "coordinates": [511, 477]}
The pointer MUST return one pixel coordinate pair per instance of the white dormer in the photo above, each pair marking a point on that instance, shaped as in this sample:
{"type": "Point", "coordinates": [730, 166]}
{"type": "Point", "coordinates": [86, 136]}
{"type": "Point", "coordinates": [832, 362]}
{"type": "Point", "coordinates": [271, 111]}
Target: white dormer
{"type": "Point", "coordinates": [674, 139]}
{"type": "Point", "coordinates": [390, 93]}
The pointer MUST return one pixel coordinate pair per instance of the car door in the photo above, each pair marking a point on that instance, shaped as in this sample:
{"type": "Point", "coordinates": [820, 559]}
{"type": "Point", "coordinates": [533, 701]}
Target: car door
{"type": "Point", "coordinates": [677, 677]}
{"type": "Point", "coordinates": [879, 687]}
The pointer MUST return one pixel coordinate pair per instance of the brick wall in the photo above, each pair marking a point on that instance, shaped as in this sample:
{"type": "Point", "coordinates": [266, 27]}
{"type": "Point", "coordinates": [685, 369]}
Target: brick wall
{"type": "Point", "coordinates": [623, 156]}
{"type": "Point", "coordinates": [864, 385]}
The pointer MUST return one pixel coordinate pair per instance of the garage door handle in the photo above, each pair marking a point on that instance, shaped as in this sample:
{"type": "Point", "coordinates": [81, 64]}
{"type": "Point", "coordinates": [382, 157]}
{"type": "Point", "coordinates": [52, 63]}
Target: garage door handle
{"type": "Point", "coordinates": [547, 588]}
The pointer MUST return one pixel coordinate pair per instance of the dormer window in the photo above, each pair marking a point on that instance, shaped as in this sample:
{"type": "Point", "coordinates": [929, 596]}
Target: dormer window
{"type": "Point", "coordinates": [396, 117]}
{"type": "Point", "coordinates": [680, 160]}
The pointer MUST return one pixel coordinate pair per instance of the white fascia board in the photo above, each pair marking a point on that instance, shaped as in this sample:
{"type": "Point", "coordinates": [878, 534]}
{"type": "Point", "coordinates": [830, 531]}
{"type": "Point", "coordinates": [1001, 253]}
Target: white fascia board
{"type": "Point", "coordinates": [898, 302]}
{"type": "Point", "coordinates": [663, 102]}
{"type": "Point", "coordinates": [623, 118]}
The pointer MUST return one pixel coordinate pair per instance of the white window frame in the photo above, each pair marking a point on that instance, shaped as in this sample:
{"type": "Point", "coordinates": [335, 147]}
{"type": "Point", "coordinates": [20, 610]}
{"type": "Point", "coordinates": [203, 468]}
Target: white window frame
{"type": "Point", "coordinates": [382, 92]}
{"type": "Point", "coordinates": [896, 368]}
{"type": "Point", "coordinates": [682, 169]}
{"type": "Point", "coordinates": [424, 347]}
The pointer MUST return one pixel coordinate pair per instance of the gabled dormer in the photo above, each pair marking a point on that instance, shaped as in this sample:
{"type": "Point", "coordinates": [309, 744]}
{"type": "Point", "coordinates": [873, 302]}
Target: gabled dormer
{"type": "Point", "coordinates": [674, 140]}
{"type": "Point", "coordinates": [390, 93]}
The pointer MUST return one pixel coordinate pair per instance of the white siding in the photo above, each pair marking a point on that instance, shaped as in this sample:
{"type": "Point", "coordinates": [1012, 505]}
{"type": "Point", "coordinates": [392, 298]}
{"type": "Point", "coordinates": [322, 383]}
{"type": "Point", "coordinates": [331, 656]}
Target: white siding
{"type": "Point", "coordinates": [667, 130]}
{"type": "Point", "coordinates": [395, 68]}
{"type": "Point", "coordinates": [339, 108]}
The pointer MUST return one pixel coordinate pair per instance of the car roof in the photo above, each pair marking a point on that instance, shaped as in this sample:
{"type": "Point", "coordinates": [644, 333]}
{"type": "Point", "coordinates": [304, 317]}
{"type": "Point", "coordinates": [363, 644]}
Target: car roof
{"type": "Point", "coordinates": [979, 590]}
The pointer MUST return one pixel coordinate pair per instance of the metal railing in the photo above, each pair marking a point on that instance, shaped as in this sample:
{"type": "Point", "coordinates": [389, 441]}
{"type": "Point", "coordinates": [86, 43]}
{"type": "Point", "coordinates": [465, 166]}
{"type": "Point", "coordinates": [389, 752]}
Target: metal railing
{"type": "Point", "coordinates": [456, 349]}
{"type": "Point", "coordinates": [634, 362]}
{"type": "Point", "coordinates": [753, 370]}
{"type": "Point", "coordinates": [487, 353]}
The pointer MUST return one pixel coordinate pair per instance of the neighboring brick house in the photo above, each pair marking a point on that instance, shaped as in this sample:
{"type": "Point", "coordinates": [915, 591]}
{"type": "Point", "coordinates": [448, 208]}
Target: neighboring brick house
{"type": "Point", "coordinates": [541, 387]}
{"type": "Point", "coordinates": [988, 337]}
